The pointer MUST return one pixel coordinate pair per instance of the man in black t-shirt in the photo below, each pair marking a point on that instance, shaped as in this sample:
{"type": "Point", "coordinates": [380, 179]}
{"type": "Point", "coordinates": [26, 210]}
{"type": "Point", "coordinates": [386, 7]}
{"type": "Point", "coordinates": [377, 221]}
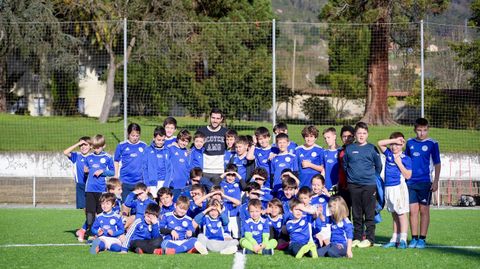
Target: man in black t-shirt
{"type": "Point", "coordinates": [213, 156]}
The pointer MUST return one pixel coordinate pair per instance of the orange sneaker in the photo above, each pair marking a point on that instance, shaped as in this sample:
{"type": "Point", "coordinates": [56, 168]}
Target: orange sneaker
{"type": "Point", "coordinates": [170, 251]}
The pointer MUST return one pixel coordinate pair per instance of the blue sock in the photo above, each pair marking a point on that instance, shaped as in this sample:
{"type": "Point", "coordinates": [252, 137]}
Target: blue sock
{"type": "Point", "coordinates": [101, 246]}
{"type": "Point", "coordinates": [84, 225]}
{"type": "Point", "coordinates": [115, 248]}
{"type": "Point", "coordinates": [179, 248]}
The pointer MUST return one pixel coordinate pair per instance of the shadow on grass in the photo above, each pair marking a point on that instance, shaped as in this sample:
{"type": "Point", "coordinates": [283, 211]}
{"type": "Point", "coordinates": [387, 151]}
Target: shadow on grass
{"type": "Point", "coordinates": [73, 232]}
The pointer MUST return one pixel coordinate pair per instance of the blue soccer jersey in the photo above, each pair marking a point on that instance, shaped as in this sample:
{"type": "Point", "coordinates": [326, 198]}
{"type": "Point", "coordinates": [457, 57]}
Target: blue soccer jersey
{"type": "Point", "coordinates": [169, 141]}
{"type": "Point", "coordinates": [279, 163]}
{"type": "Point", "coordinates": [94, 162]}
{"type": "Point", "coordinates": [140, 230]}
{"type": "Point", "coordinates": [262, 159]}
{"type": "Point", "coordinates": [266, 196]}
{"type": "Point", "coordinates": [196, 157]}
{"type": "Point", "coordinates": [180, 224]}
{"type": "Point", "coordinates": [322, 200]}
{"type": "Point", "coordinates": [108, 221]}
{"type": "Point", "coordinates": [242, 163]}
{"type": "Point", "coordinates": [232, 190]}
{"type": "Point", "coordinates": [130, 158]}
{"type": "Point", "coordinates": [393, 175]}
{"type": "Point", "coordinates": [139, 206]}
{"type": "Point", "coordinates": [117, 207]}
{"type": "Point", "coordinates": [180, 167]}
{"type": "Point", "coordinates": [213, 229]}
{"type": "Point", "coordinates": [78, 160]}
{"type": "Point", "coordinates": [291, 148]}
{"type": "Point", "coordinates": [425, 154]}
{"type": "Point", "coordinates": [300, 230]}
{"type": "Point", "coordinates": [165, 209]}
{"type": "Point", "coordinates": [227, 157]}
{"type": "Point", "coordinates": [257, 228]}
{"type": "Point", "coordinates": [276, 224]}
{"type": "Point", "coordinates": [331, 166]}
{"type": "Point", "coordinates": [341, 232]}
{"type": "Point", "coordinates": [194, 209]}
{"type": "Point", "coordinates": [155, 165]}
{"type": "Point", "coordinates": [314, 155]}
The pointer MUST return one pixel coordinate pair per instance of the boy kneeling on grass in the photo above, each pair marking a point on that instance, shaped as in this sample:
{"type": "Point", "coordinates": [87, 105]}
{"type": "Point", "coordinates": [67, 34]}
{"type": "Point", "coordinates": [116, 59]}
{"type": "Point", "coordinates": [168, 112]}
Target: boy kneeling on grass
{"type": "Point", "coordinates": [257, 232]}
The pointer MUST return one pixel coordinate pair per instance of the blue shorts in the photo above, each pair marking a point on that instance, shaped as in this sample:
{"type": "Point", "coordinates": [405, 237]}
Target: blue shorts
{"type": "Point", "coordinates": [80, 195]}
{"type": "Point", "coordinates": [420, 193]}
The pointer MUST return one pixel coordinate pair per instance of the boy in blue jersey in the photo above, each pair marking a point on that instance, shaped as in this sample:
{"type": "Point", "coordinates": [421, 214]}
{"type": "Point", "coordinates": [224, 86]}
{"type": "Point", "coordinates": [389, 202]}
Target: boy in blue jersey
{"type": "Point", "coordinates": [330, 157]}
{"type": "Point", "coordinates": [198, 200]}
{"type": "Point", "coordinates": [425, 155]}
{"type": "Point", "coordinates": [196, 178]}
{"type": "Point", "coordinates": [214, 232]}
{"type": "Point", "coordinates": [309, 156]}
{"type": "Point", "coordinates": [170, 125]}
{"type": "Point", "coordinates": [137, 201]}
{"type": "Point", "coordinates": [99, 165]}
{"type": "Point", "coordinates": [165, 201]}
{"type": "Point", "coordinates": [179, 238]}
{"type": "Point", "coordinates": [108, 226]}
{"type": "Point", "coordinates": [128, 159]}
{"type": "Point", "coordinates": [299, 229]}
{"type": "Point", "coordinates": [257, 232]}
{"type": "Point", "coordinates": [281, 128]}
{"type": "Point", "coordinates": [155, 164]}
{"type": "Point", "coordinates": [398, 168]}
{"type": "Point", "coordinates": [230, 137]}
{"type": "Point", "coordinates": [341, 230]}
{"type": "Point", "coordinates": [274, 213]}
{"type": "Point", "coordinates": [252, 191]}
{"type": "Point", "coordinates": [179, 161]}
{"type": "Point", "coordinates": [232, 185]}
{"type": "Point", "coordinates": [289, 191]}
{"type": "Point", "coordinates": [362, 164]}
{"type": "Point", "coordinates": [243, 158]}
{"type": "Point", "coordinates": [283, 160]}
{"type": "Point", "coordinates": [114, 185]}
{"type": "Point", "coordinates": [144, 234]}
{"type": "Point", "coordinates": [263, 152]}
{"type": "Point", "coordinates": [78, 160]}
{"type": "Point", "coordinates": [260, 176]}
{"type": "Point", "coordinates": [197, 149]}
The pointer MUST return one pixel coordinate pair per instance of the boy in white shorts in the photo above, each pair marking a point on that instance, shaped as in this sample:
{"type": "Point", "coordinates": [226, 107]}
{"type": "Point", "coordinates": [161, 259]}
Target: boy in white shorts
{"type": "Point", "coordinates": [108, 227]}
{"type": "Point", "coordinates": [398, 168]}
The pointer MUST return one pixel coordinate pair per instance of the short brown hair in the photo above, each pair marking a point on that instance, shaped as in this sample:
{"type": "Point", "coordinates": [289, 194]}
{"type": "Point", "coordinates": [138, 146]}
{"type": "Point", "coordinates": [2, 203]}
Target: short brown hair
{"type": "Point", "coordinates": [112, 183]}
{"type": "Point", "coordinates": [184, 135]}
{"type": "Point", "coordinates": [255, 203]}
{"type": "Point", "coordinates": [108, 197]}
{"type": "Point", "coordinates": [98, 141]}
{"type": "Point", "coordinates": [396, 135]}
{"type": "Point", "coordinates": [310, 130]}
{"type": "Point", "coordinates": [183, 202]}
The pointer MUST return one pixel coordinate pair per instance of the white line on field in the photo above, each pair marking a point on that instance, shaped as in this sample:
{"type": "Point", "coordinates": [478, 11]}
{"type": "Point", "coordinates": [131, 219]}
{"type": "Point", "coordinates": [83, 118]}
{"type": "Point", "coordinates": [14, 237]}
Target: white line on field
{"type": "Point", "coordinates": [40, 245]}
{"type": "Point", "coordinates": [239, 261]}
{"type": "Point", "coordinates": [441, 246]}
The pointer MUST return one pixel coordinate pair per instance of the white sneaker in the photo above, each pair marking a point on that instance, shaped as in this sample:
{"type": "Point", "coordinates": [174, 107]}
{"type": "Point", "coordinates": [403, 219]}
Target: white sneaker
{"type": "Point", "coordinates": [201, 248]}
{"type": "Point", "coordinates": [229, 250]}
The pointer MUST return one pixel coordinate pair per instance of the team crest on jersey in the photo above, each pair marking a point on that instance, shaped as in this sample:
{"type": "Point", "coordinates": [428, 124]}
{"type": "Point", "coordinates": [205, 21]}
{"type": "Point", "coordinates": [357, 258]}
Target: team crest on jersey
{"type": "Point", "coordinates": [102, 160]}
{"type": "Point", "coordinates": [260, 226]}
{"type": "Point", "coordinates": [113, 221]}
{"type": "Point", "coordinates": [279, 224]}
{"type": "Point", "coordinates": [321, 200]}
{"type": "Point", "coordinates": [140, 149]}
{"type": "Point", "coordinates": [219, 224]}
{"type": "Point", "coordinates": [185, 153]}
{"type": "Point", "coordinates": [302, 222]}
{"type": "Point", "coordinates": [336, 155]}
{"type": "Point", "coordinates": [314, 154]}
{"type": "Point", "coordinates": [340, 225]}
{"type": "Point", "coordinates": [288, 159]}
{"type": "Point", "coordinates": [184, 223]}
{"type": "Point", "coordinates": [425, 148]}
{"type": "Point", "coordinates": [235, 185]}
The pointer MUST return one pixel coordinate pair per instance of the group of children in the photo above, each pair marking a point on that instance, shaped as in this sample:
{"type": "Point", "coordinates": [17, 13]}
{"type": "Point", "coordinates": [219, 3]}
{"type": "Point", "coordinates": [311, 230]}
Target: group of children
{"type": "Point", "coordinates": [153, 198]}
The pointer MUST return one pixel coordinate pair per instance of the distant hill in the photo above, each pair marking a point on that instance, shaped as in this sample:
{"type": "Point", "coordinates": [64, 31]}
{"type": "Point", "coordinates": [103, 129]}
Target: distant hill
{"type": "Point", "coordinates": [308, 10]}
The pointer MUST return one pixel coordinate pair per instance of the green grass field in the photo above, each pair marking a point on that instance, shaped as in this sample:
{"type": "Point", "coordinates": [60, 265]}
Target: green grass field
{"type": "Point", "coordinates": [26, 133]}
{"type": "Point", "coordinates": [57, 226]}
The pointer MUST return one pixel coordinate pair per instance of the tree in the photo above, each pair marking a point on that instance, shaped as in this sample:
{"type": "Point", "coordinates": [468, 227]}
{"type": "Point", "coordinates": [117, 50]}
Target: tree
{"type": "Point", "coordinates": [378, 14]}
{"type": "Point", "coordinates": [30, 32]}
{"type": "Point", "coordinates": [102, 23]}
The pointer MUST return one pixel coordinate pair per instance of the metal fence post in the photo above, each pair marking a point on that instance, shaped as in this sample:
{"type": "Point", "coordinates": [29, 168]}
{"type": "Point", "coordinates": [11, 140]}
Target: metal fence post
{"type": "Point", "coordinates": [422, 67]}
{"type": "Point", "coordinates": [274, 98]}
{"type": "Point", "coordinates": [125, 92]}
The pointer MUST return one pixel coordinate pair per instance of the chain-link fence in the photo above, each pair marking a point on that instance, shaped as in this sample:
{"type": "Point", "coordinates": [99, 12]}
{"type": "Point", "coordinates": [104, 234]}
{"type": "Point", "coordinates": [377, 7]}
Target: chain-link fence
{"type": "Point", "coordinates": [74, 76]}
